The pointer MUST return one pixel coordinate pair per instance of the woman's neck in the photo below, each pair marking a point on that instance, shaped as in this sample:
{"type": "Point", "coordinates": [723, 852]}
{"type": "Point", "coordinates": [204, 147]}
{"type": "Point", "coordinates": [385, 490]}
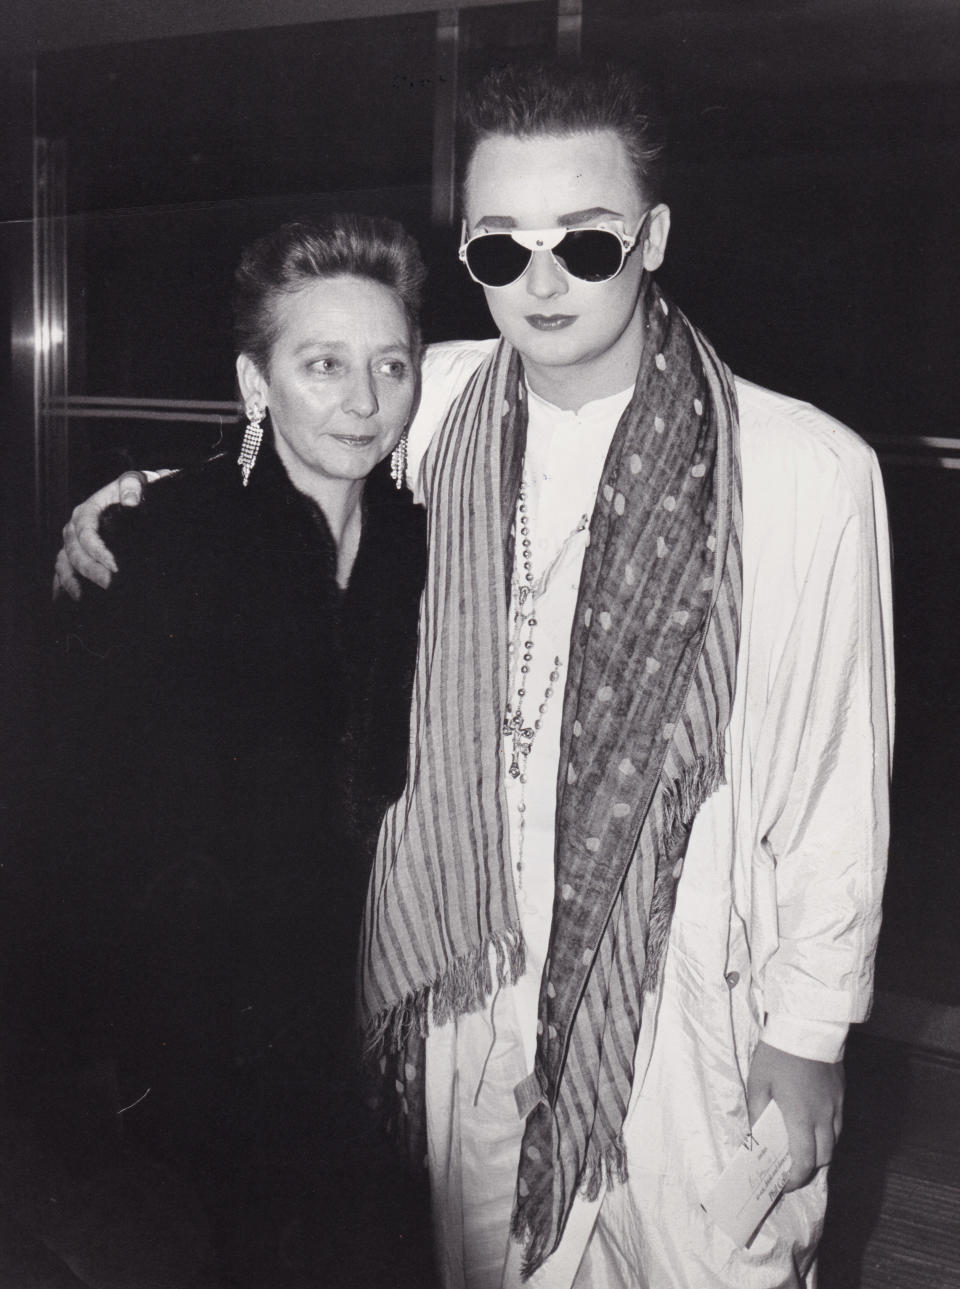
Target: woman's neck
{"type": "Point", "coordinates": [342, 509]}
{"type": "Point", "coordinates": [340, 500]}
{"type": "Point", "coordinates": [347, 538]}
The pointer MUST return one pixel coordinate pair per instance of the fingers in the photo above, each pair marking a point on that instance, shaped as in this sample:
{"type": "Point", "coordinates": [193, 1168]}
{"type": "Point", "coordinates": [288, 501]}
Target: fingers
{"type": "Point", "coordinates": [838, 1103]}
{"type": "Point", "coordinates": [84, 526]}
{"type": "Point", "coordinates": [810, 1096]}
{"type": "Point", "coordinates": [84, 551]}
{"type": "Point", "coordinates": [810, 1150]}
{"type": "Point", "coordinates": [826, 1141]}
{"type": "Point", "coordinates": [802, 1144]}
{"type": "Point", "coordinates": [64, 578]}
{"type": "Point", "coordinates": [803, 1160]}
{"type": "Point", "coordinates": [131, 485]}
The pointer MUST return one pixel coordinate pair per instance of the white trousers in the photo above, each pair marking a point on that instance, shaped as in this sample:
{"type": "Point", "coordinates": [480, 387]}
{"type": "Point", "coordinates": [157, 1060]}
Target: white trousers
{"type": "Point", "coordinates": [687, 1115]}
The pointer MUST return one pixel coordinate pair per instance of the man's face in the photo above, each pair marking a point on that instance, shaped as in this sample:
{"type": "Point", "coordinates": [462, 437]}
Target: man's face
{"type": "Point", "coordinates": [579, 340]}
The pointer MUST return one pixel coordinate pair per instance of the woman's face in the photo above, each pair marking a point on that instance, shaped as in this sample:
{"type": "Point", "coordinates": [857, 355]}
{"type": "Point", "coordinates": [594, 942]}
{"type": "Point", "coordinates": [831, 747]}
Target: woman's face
{"type": "Point", "coordinates": [342, 379]}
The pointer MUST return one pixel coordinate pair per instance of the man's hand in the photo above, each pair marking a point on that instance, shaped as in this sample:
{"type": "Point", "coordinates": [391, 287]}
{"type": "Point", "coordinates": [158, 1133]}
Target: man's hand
{"type": "Point", "coordinates": [810, 1096]}
{"type": "Point", "coordinates": [83, 551]}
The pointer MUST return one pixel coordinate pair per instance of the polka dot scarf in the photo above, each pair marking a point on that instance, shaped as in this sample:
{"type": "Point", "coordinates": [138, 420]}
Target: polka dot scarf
{"type": "Point", "coordinates": [646, 705]}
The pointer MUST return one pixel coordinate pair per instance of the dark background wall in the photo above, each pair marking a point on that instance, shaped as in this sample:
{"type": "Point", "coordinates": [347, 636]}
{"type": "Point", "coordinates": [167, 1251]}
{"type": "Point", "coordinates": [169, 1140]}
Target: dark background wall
{"type": "Point", "coordinates": [814, 184]}
{"type": "Point", "coordinates": [814, 173]}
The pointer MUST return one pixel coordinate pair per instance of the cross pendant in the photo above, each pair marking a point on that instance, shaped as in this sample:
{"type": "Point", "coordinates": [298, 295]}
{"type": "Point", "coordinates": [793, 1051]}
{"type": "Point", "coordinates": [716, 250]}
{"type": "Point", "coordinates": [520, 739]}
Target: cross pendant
{"type": "Point", "coordinates": [521, 737]}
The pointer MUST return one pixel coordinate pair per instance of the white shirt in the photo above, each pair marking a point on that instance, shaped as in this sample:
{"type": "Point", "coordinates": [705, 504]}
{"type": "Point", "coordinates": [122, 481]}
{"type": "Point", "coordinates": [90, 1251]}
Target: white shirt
{"type": "Point", "coordinates": [564, 460]}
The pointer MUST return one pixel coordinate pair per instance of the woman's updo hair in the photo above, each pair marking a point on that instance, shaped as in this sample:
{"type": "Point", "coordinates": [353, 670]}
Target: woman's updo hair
{"type": "Point", "coordinates": [305, 251]}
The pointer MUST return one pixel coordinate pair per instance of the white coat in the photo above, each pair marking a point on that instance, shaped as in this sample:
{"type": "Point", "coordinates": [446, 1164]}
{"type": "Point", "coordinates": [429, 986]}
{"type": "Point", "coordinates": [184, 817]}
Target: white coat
{"type": "Point", "coordinates": [778, 908]}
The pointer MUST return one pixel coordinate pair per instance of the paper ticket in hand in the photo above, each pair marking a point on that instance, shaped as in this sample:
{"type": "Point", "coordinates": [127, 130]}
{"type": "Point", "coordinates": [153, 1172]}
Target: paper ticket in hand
{"type": "Point", "coordinates": [752, 1182]}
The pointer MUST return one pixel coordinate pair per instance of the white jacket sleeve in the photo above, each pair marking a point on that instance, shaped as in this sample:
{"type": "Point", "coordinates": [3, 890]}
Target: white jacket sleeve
{"type": "Point", "coordinates": [446, 369]}
{"type": "Point", "coordinates": [824, 755]}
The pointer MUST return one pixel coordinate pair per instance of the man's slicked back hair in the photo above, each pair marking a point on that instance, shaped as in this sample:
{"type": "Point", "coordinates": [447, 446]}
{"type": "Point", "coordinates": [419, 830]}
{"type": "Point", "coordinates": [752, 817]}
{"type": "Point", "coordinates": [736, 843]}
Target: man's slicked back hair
{"type": "Point", "coordinates": [527, 100]}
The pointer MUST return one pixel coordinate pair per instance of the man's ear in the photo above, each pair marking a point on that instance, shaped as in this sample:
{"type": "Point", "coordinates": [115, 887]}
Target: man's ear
{"type": "Point", "coordinates": [253, 388]}
{"type": "Point", "coordinates": [655, 241]}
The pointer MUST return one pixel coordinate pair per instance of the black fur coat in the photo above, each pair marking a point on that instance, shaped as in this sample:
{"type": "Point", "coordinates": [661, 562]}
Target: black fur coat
{"type": "Point", "coordinates": [230, 727]}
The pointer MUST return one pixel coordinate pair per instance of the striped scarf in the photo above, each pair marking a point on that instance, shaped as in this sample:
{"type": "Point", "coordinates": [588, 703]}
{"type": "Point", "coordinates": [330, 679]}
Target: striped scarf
{"type": "Point", "coordinates": [646, 705]}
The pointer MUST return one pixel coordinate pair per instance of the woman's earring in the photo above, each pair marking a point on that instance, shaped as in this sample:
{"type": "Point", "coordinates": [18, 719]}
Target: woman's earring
{"type": "Point", "coordinates": [398, 462]}
{"type": "Point", "coordinates": [252, 438]}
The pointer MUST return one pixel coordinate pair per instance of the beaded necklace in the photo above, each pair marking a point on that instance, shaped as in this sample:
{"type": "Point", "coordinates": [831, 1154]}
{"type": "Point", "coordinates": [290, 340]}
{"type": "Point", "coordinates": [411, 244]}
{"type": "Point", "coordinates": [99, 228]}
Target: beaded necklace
{"type": "Point", "coordinates": [519, 731]}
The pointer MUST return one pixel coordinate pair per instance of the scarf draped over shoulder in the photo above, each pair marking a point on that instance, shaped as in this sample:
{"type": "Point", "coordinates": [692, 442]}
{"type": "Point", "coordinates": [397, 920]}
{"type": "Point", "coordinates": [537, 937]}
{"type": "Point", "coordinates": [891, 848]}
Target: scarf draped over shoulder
{"type": "Point", "coordinates": [646, 706]}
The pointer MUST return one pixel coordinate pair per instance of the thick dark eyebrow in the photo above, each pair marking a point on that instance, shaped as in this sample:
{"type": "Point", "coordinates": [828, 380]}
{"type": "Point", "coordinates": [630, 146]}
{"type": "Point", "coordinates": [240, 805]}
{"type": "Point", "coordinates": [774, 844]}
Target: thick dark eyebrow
{"type": "Point", "coordinates": [496, 221]}
{"type": "Point", "coordinates": [568, 220]}
{"type": "Point", "coordinates": [585, 216]}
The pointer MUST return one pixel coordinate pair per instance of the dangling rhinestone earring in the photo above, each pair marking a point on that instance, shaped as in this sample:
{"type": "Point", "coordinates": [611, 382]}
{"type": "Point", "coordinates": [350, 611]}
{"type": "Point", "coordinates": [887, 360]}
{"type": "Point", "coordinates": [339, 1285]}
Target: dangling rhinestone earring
{"type": "Point", "coordinates": [398, 462]}
{"type": "Point", "coordinates": [252, 438]}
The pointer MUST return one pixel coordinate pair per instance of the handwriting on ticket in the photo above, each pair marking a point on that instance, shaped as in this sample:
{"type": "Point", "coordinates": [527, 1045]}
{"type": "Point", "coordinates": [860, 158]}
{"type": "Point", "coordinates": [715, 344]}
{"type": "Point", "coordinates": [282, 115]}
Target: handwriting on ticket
{"type": "Point", "coordinates": [754, 1179]}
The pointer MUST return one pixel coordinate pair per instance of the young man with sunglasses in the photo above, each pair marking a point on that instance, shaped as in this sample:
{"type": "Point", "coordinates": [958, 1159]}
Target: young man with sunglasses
{"type": "Point", "coordinates": [631, 893]}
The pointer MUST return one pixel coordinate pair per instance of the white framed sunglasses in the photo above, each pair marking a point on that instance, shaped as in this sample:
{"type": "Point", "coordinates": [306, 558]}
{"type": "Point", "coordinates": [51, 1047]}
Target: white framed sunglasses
{"type": "Point", "coordinates": [595, 254]}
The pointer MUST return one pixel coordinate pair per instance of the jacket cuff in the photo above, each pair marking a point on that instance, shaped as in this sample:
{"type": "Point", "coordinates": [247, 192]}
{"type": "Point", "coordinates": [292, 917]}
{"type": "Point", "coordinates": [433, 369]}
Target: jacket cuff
{"type": "Point", "coordinates": [816, 1040]}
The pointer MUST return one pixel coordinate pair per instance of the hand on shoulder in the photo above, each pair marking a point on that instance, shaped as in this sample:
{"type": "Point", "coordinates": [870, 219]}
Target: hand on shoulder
{"type": "Point", "coordinates": [84, 554]}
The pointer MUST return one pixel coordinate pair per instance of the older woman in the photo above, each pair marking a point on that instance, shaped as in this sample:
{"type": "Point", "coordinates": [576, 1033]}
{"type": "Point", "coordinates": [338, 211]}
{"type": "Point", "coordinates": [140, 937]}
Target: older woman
{"type": "Point", "coordinates": [248, 678]}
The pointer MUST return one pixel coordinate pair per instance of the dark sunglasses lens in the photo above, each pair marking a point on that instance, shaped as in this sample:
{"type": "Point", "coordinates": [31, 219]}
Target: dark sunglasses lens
{"type": "Point", "coordinates": [497, 260]}
{"type": "Point", "coordinates": [591, 254]}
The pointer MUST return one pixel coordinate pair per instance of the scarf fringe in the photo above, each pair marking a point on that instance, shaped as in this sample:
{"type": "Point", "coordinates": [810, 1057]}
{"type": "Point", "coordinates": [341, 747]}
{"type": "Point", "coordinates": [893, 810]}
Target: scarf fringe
{"type": "Point", "coordinates": [463, 987]}
{"type": "Point", "coordinates": [658, 928]}
{"type": "Point", "coordinates": [530, 1226]}
{"type": "Point", "coordinates": [685, 795]}
{"type": "Point", "coordinates": [604, 1167]}
{"type": "Point", "coordinates": [390, 1029]}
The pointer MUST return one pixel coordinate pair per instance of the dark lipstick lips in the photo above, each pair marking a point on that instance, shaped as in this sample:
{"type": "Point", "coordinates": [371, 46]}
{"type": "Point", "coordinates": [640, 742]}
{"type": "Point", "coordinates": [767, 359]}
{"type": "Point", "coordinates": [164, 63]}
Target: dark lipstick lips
{"type": "Point", "coordinates": [550, 321]}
